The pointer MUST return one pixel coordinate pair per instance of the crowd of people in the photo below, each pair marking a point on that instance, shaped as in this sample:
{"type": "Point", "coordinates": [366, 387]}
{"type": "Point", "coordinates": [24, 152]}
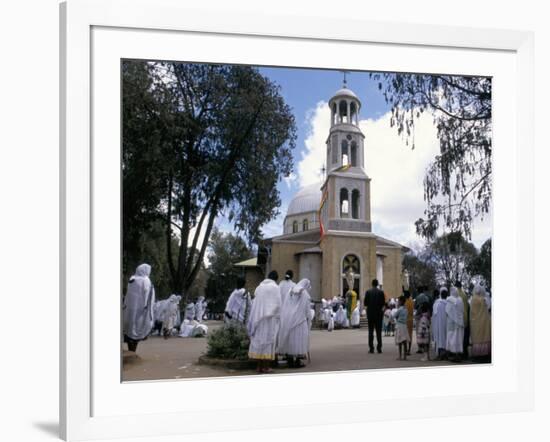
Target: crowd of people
{"type": "Point", "coordinates": [449, 324]}
{"type": "Point", "coordinates": [278, 320]}
{"type": "Point", "coordinates": [143, 315]}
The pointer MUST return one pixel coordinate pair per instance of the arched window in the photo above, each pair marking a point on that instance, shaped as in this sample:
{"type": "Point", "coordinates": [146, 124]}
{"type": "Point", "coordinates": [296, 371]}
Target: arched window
{"type": "Point", "coordinates": [344, 203]}
{"type": "Point", "coordinates": [334, 149]}
{"type": "Point", "coordinates": [353, 113]}
{"type": "Point", "coordinates": [343, 111]}
{"type": "Point", "coordinates": [334, 115]}
{"type": "Point", "coordinates": [304, 225]}
{"type": "Point", "coordinates": [294, 226]}
{"type": "Point", "coordinates": [355, 204]}
{"type": "Point", "coordinates": [353, 154]}
{"type": "Point", "coordinates": [345, 153]}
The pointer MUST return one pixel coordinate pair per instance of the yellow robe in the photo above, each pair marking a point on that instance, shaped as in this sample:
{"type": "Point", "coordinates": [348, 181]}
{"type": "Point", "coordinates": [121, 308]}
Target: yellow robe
{"type": "Point", "coordinates": [480, 327]}
{"type": "Point", "coordinates": [351, 302]}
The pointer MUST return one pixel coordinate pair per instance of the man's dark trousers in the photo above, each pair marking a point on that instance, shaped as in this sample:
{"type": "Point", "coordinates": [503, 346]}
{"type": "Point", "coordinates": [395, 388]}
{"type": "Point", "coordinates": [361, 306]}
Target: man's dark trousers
{"type": "Point", "coordinates": [375, 323]}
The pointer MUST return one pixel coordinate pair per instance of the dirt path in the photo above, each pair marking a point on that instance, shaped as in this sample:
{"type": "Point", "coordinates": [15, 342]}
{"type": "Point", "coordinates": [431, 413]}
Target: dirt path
{"type": "Point", "coordinates": [176, 358]}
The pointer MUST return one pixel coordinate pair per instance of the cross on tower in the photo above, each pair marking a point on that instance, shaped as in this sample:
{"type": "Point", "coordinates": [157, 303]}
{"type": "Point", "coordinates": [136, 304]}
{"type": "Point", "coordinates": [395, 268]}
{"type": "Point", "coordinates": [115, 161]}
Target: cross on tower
{"type": "Point", "coordinates": [345, 80]}
{"type": "Point", "coordinates": [323, 171]}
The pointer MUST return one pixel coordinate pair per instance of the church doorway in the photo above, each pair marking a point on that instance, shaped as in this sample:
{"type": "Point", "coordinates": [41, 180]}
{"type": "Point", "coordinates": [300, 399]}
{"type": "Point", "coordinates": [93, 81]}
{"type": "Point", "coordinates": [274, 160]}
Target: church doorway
{"type": "Point", "coordinates": [351, 263]}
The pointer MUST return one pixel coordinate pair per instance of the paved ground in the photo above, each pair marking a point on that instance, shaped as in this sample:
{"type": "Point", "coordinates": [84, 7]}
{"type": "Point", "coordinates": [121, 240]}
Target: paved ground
{"type": "Point", "coordinates": [176, 358]}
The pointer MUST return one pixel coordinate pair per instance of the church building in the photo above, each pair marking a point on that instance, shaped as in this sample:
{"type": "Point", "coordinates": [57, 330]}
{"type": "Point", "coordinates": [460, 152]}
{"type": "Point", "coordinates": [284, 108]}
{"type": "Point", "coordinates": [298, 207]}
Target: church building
{"type": "Point", "coordinates": [327, 232]}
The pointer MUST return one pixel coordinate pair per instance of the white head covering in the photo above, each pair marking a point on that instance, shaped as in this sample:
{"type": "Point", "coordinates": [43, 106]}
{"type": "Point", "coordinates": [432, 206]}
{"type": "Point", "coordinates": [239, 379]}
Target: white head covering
{"type": "Point", "coordinates": [304, 284]}
{"type": "Point", "coordinates": [455, 308]}
{"type": "Point", "coordinates": [139, 304]}
{"type": "Point", "coordinates": [143, 270]}
{"type": "Point", "coordinates": [479, 290]}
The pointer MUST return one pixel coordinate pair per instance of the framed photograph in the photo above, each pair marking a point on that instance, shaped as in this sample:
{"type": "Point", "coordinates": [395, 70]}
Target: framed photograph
{"type": "Point", "coordinates": [255, 207]}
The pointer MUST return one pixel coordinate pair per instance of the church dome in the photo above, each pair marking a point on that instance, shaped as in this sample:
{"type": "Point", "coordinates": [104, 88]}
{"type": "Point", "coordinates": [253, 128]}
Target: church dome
{"type": "Point", "coordinates": [306, 199]}
{"type": "Point", "coordinates": [345, 92]}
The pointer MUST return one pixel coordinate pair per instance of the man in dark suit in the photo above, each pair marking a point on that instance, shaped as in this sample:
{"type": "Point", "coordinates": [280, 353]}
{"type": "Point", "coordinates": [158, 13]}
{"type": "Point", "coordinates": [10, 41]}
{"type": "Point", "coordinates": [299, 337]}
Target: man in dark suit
{"type": "Point", "coordinates": [374, 302]}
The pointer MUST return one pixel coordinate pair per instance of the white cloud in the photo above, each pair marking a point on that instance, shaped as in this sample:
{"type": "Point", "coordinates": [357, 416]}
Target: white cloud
{"type": "Point", "coordinates": [397, 172]}
{"type": "Point", "coordinates": [314, 154]}
{"type": "Point", "coordinates": [290, 179]}
{"type": "Point", "coordinates": [275, 226]}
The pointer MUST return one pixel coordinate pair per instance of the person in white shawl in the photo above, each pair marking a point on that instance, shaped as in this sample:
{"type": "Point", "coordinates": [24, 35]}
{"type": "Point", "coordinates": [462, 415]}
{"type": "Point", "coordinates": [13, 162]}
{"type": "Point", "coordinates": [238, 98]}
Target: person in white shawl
{"type": "Point", "coordinates": [200, 308]}
{"type": "Point", "coordinates": [439, 324]}
{"type": "Point", "coordinates": [137, 317]}
{"type": "Point", "coordinates": [286, 285]}
{"type": "Point", "coordinates": [356, 316]}
{"type": "Point", "coordinates": [189, 313]}
{"type": "Point", "coordinates": [455, 324]}
{"type": "Point", "coordinates": [158, 308]}
{"type": "Point", "coordinates": [170, 315]}
{"type": "Point", "coordinates": [263, 323]}
{"type": "Point", "coordinates": [341, 318]}
{"type": "Point", "coordinates": [239, 303]}
{"type": "Point", "coordinates": [295, 320]}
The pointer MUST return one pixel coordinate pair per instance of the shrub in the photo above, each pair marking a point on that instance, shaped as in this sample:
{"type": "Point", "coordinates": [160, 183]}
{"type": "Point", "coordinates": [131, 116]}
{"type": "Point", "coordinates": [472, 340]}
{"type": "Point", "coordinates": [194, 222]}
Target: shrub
{"type": "Point", "coordinates": [228, 342]}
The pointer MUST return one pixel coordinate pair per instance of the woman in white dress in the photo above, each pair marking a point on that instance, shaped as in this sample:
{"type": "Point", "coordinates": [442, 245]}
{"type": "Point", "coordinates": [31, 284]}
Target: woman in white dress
{"type": "Point", "coordinates": [286, 285]}
{"type": "Point", "coordinates": [138, 307]}
{"type": "Point", "coordinates": [295, 324]}
{"type": "Point", "coordinates": [455, 325]}
{"type": "Point", "coordinates": [170, 315]}
{"type": "Point", "coordinates": [263, 323]}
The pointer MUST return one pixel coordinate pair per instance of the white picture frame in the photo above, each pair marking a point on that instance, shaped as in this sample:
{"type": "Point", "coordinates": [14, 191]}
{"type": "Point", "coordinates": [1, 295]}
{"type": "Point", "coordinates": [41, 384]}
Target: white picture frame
{"type": "Point", "coordinates": [90, 401]}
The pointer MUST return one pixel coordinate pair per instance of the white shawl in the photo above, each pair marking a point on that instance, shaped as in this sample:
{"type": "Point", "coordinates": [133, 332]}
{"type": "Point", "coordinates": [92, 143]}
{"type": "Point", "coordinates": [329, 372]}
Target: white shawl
{"type": "Point", "coordinates": [267, 304]}
{"type": "Point", "coordinates": [296, 309]}
{"type": "Point", "coordinates": [285, 286]}
{"type": "Point", "coordinates": [238, 304]}
{"type": "Point", "coordinates": [138, 304]}
{"type": "Point", "coordinates": [455, 308]}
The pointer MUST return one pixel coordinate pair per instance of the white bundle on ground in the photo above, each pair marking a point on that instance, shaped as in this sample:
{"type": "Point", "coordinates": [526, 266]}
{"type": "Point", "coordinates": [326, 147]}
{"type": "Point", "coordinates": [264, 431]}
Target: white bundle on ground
{"type": "Point", "coordinates": [192, 329]}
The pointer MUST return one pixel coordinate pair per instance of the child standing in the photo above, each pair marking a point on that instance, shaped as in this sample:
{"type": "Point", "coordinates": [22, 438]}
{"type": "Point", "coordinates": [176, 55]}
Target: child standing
{"type": "Point", "coordinates": [401, 331]}
{"type": "Point", "coordinates": [423, 332]}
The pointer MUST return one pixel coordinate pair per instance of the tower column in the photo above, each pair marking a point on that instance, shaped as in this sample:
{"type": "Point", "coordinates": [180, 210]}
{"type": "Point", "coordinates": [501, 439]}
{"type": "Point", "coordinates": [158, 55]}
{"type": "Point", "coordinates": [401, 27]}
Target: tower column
{"type": "Point", "coordinates": [349, 112]}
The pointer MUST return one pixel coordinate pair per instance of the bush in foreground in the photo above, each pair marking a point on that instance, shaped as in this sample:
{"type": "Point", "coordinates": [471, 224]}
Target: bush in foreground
{"type": "Point", "coordinates": [228, 342]}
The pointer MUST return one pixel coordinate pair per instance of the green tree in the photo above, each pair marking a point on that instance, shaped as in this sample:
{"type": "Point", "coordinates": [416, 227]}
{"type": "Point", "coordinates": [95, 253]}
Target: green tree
{"type": "Point", "coordinates": [451, 256]}
{"type": "Point", "coordinates": [206, 140]}
{"type": "Point", "coordinates": [421, 273]}
{"type": "Point", "coordinates": [224, 250]}
{"type": "Point", "coordinates": [143, 174]}
{"type": "Point", "coordinates": [481, 265]}
{"type": "Point", "coordinates": [458, 183]}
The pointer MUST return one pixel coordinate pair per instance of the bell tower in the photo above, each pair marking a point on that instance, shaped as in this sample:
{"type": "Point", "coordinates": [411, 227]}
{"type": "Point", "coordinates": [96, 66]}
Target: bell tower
{"type": "Point", "coordinates": [346, 190]}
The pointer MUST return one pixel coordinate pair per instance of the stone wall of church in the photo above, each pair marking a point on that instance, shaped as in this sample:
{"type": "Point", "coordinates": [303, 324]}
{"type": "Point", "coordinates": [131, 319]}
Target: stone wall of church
{"type": "Point", "coordinates": [283, 256]}
{"type": "Point", "coordinates": [335, 248]}
{"type": "Point", "coordinates": [253, 277]}
{"type": "Point", "coordinates": [392, 271]}
{"type": "Point", "coordinates": [311, 268]}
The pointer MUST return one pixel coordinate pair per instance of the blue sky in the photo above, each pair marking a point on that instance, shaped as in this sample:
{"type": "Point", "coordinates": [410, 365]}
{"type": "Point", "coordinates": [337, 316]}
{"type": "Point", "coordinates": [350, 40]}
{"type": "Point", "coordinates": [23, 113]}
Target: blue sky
{"type": "Point", "coordinates": [397, 172]}
{"type": "Point", "coordinates": [302, 89]}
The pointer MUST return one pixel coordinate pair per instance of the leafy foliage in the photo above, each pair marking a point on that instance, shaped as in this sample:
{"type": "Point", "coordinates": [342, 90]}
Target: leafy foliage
{"type": "Point", "coordinates": [458, 183]}
{"type": "Point", "coordinates": [447, 259]}
{"type": "Point", "coordinates": [224, 250]}
{"type": "Point", "coordinates": [228, 342]}
{"type": "Point", "coordinates": [481, 264]}
{"type": "Point", "coordinates": [451, 257]}
{"type": "Point", "coordinates": [421, 273]}
{"type": "Point", "coordinates": [200, 141]}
